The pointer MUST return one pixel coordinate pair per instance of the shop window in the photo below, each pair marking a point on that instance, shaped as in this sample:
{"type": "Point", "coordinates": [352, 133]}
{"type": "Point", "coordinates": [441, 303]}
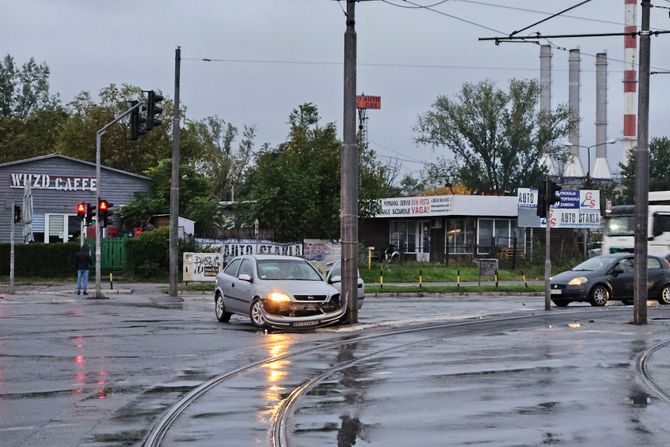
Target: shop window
{"type": "Point", "coordinates": [403, 236]}
{"type": "Point", "coordinates": [460, 234]}
{"type": "Point", "coordinates": [498, 233]}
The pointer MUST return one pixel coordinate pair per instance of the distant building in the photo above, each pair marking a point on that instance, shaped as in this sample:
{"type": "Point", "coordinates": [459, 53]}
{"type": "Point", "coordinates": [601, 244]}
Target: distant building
{"type": "Point", "coordinates": [58, 183]}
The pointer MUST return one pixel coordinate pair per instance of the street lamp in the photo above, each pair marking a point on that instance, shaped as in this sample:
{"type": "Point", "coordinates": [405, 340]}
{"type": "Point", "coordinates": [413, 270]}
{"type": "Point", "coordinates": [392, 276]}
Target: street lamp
{"type": "Point", "coordinates": [588, 153]}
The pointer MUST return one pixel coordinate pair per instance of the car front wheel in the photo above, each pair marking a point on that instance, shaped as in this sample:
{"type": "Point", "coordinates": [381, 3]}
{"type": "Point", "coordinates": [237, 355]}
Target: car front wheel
{"type": "Point", "coordinates": [256, 313]}
{"type": "Point", "coordinates": [664, 296]}
{"type": "Point", "coordinates": [220, 310]}
{"type": "Point", "coordinates": [599, 295]}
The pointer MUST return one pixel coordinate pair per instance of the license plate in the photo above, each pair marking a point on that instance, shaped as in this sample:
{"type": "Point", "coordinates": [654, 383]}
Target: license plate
{"type": "Point", "coordinates": [305, 323]}
{"type": "Point", "coordinates": [556, 291]}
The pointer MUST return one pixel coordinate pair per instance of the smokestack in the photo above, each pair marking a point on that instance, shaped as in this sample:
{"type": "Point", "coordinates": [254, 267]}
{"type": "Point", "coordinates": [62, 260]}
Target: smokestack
{"type": "Point", "coordinates": [574, 165]}
{"type": "Point", "coordinates": [629, 79]}
{"type": "Point", "coordinates": [601, 169]}
{"type": "Point", "coordinates": [545, 97]}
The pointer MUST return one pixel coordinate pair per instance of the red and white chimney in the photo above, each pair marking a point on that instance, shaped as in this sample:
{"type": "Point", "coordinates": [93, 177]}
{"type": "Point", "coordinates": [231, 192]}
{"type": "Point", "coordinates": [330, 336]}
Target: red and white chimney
{"type": "Point", "coordinates": [630, 79]}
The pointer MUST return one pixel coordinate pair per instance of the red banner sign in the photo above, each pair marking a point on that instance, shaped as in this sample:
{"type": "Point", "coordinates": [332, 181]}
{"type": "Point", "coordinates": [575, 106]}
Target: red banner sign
{"type": "Point", "coordinates": [368, 102]}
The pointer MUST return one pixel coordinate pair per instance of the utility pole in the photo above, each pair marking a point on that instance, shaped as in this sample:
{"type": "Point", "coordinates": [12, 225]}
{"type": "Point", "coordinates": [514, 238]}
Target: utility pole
{"type": "Point", "coordinates": [547, 248]}
{"type": "Point", "coordinates": [349, 172]}
{"type": "Point", "coordinates": [642, 173]}
{"type": "Point", "coordinates": [174, 187]}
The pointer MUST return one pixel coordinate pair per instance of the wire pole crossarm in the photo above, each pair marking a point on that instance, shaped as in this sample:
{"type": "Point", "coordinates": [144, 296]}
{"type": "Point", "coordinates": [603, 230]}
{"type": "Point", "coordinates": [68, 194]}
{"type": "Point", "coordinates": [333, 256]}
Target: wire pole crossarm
{"type": "Point", "coordinates": [539, 36]}
{"type": "Point", "coordinates": [98, 147]}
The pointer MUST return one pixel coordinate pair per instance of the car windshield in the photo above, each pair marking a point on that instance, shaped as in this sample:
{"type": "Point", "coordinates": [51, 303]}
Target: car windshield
{"type": "Point", "coordinates": [595, 264]}
{"type": "Point", "coordinates": [289, 269]}
{"type": "Point", "coordinates": [620, 226]}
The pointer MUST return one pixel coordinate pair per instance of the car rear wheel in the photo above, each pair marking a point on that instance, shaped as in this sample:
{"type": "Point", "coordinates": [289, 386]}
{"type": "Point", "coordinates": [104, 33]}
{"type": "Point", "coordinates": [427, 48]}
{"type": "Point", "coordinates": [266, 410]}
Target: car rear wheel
{"type": "Point", "coordinates": [599, 295]}
{"type": "Point", "coordinates": [256, 313]}
{"type": "Point", "coordinates": [560, 303]}
{"type": "Point", "coordinates": [220, 309]}
{"type": "Point", "coordinates": [664, 296]}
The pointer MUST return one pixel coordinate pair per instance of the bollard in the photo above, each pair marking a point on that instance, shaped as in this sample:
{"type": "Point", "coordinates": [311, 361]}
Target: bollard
{"type": "Point", "coordinates": [496, 277]}
{"type": "Point", "coordinates": [458, 279]}
{"type": "Point", "coordinates": [111, 281]}
{"type": "Point", "coordinates": [420, 278]}
{"type": "Point", "coordinates": [381, 278]}
{"type": "Point", "coordinates": [524, 279]}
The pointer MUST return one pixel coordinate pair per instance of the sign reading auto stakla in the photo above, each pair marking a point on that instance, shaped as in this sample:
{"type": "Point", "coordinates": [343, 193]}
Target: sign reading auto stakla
{"type": "Point", "coordinates": [577, 209]}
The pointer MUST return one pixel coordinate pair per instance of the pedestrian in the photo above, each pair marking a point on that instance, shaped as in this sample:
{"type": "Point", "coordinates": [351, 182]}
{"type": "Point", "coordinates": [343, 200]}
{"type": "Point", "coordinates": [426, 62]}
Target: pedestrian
{"type": "Point", "coordinates": [83, 264]}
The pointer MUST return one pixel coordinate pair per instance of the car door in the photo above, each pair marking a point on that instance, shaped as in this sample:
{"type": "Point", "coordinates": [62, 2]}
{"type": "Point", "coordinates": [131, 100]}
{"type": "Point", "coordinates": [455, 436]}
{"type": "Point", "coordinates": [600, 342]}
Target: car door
{"type": "Point", "coordinates": [622, 282]}
{"type": "Point", "coordinates": [242, 291]}
{"type": "Point", "coordinates": [655, 276]}
{"type": "Point", "coordinates": [229, 277]}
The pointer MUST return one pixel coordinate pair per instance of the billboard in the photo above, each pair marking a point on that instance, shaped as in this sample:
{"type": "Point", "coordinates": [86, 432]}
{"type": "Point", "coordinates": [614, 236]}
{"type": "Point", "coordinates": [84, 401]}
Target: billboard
{"type": "Point", "coordinates": [576, 209]}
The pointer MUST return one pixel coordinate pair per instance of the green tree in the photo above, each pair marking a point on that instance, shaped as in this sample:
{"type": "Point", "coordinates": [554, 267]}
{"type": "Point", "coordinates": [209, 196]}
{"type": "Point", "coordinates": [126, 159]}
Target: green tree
{"type": "Point", "coordinates": [196, 199]}
{"type": "Point", "coordinates": [30, 116]}
{"type": "Point", "coordinates": [295, 187]}
{"type": "Point", "coordinates": [659, 166]}
{"type": "Point", "coordinates": [78, 136]}
{"type": "Point", "coordinates": [496, 138]}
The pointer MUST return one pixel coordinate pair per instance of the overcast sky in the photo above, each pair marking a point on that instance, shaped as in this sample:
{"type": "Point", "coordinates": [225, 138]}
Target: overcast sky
{"type": "Point", "coordinates": [269, 56]}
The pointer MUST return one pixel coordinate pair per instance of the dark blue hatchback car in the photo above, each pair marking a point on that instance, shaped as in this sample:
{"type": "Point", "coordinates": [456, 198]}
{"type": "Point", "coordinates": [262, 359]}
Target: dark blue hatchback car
{"type": "Point", "coordinates": [610, 277]}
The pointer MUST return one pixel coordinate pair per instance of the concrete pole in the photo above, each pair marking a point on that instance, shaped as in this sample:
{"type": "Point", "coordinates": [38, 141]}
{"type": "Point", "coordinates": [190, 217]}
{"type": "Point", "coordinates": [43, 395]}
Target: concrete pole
{"type": "Point", "coordinates": [98, 250]}
{"type": "Point", "coordinates": [11, 249]}
{"type": "Point", "coordinates": [349, 172]}
{"type": "Point", "coordinates": [547, 250]}
{"type": "Point", "coordinates": [642, 173]}
{"type": "Point", "coordinates": [174, 188]}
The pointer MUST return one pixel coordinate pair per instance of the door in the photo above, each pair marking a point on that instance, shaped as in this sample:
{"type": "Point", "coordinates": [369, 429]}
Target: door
{"type": "Point", "coordinates": [229, 278]}
{"type": "Point", "coordinates": [655, 276]}
{"type": "Point", "coordinates": [622, 282]}
{"type": "Point", "coordinates": [242, 292]}
{"type": "Point", "coordinates": [423, 241]}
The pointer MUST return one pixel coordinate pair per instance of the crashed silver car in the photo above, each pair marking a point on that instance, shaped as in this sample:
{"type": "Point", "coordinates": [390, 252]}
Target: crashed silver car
{"type": "Point", "coordinates": [276, 291]}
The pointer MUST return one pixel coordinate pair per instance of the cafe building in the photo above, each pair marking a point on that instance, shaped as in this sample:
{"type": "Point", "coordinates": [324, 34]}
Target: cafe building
{"type": "Point", "coordinates": [444, 228]}
{"type": "Point", "coordinates": [57, 184]}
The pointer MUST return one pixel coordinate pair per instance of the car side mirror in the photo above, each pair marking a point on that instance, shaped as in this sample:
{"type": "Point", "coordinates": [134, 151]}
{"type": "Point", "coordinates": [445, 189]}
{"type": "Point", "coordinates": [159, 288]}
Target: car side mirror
{"type": "Point", "coordinates": [244, 277]}
{"type": "Point", "coordinates": [336, 278]}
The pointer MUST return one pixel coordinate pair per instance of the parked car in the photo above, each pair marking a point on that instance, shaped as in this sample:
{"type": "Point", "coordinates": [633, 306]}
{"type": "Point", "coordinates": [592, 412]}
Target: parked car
{"type": "Point", "coordinates": [334, 277]}
{"type": "Point", "coordinates": [276, 291]}
{"type": "Point", "coordinates": [609, 277]}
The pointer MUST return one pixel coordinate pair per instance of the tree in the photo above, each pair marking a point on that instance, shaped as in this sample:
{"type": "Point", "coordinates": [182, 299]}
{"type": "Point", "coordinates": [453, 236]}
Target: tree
{"type": "Point", "coordinates": [659, 166]}
{"type": "Point", "coordinates": [295, 187]}
{"type": "Point", "coordinates": [496, 138]}
{"type": "Point", "coordinates": [196, 199]}
{"type": "Point", "coordinates": [30, 116]}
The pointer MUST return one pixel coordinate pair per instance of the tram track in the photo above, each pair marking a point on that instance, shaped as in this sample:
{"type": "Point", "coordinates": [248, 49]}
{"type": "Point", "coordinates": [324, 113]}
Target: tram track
{"type": "Point", "coordinates": [278, 429]}
{"type": "Point", "coordinates": [642, 364]}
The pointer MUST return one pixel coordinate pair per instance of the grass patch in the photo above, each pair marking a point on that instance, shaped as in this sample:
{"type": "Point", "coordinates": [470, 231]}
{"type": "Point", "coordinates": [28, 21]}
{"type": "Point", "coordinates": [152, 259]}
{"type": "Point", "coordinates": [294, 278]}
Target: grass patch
{"type": "Point", "coordinates": [453, 289]}
{"type": "Point", "coordinates": [409, 272]}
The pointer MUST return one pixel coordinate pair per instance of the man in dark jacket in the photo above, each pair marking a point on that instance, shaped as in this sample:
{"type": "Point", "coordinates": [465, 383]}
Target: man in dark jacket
{"type": "Point", "coordinates": [83, 264]}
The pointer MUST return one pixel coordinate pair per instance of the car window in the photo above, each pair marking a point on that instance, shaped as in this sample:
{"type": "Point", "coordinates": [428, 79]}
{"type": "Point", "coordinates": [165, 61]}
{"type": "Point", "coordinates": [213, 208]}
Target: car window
{"type": "Point", "coordinates": [596, 263]}
{"type": "Point", "coordinates": [246, 268]}
{"type": "Point", "coordinates": [626, 265]}
{"type": "Point", "coordinates": [287, 269]}
{"type": "Point", "coordinates": [232, 268]}
{"type": "Point", "coordinates": [653, 263]}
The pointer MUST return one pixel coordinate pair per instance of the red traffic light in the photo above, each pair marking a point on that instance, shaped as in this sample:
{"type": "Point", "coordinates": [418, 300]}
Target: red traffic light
{"type": "Point", "coordinates": [81, 210]}
{"type": "Point", "coordinates": [103, 206]}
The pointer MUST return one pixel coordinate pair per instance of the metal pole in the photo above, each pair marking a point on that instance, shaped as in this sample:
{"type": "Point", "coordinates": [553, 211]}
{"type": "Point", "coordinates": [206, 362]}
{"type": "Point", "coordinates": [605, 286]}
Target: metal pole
{"type": "Point", "coordinates": [98, 144]}
{"type": "Point", "coordinates": [349, 172]}
{"type": "Point", "coordinates": [174, 188]}
{"type": "Point", "coordinates": [547, 247]}
{"type": "Point", "coordinates": [11, 250]}
{"type": "Point", "coordinates": [642, 174]}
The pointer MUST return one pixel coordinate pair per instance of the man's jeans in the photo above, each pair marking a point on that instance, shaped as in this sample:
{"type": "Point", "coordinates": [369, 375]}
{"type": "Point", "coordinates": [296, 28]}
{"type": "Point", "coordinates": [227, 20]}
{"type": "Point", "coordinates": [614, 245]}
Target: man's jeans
{"type": "Point", "coordinates": [82, 280]}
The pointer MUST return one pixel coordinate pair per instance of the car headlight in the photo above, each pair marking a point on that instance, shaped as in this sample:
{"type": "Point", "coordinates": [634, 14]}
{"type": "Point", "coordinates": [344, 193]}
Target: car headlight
{"type": "Point", "coordinates": [578, 281]}
{"type": "Point", "coordinates": [278, 297]}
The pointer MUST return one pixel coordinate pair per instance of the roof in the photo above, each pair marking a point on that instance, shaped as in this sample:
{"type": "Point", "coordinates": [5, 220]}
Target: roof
{"type": "Point", "coordinates": [76, 160]}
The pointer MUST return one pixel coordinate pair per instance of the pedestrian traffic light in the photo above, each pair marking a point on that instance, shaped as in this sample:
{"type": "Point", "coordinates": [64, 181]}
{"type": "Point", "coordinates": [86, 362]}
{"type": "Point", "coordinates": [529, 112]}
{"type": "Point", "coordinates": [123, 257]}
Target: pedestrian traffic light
{"type": "Point", "coordinates": [553, 192]}
{"type": "Point", "coordinates": [104, 211]}
{"type": "Point", "coordinates": [81, 210]}
{"type": "Point", "coordinates": [90, 213]}
{"type": "Point", "coordinates": [17, 213]}
{"type": "Point", "coordinates": [542, 200]}
{"type": "Point", "coordinates": [153, 109]}
{"type": "Point", "coordinates": [137, 121]}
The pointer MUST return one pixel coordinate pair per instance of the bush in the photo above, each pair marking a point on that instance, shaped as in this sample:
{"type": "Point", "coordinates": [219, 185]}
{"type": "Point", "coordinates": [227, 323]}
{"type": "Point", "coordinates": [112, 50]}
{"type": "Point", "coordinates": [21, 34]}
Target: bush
{"type": "Point", "coordinates": [148, 255]}
{"type": "Point", "coordinates": [42, 260]}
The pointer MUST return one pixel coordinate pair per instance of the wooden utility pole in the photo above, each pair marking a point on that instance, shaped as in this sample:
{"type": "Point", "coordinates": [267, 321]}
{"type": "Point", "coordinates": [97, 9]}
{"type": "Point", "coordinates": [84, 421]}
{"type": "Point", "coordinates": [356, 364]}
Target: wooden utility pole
{"type": "Point", "coordinates": [174, 186]}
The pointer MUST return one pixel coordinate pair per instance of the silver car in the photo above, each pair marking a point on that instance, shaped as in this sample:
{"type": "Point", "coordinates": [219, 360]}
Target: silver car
{"type": "Point", "coordinates": [334, 277]}
{"type": "Point", "coordinates": [276, 291]}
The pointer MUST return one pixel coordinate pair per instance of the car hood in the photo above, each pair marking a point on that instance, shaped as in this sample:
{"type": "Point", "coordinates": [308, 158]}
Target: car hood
{"type": "Point", "coordinates": [294, 287]}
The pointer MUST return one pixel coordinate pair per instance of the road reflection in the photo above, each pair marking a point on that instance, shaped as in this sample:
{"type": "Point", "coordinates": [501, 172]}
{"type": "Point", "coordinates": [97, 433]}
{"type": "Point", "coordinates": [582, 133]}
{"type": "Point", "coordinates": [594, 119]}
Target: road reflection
{"type": "Point", "coordinates": [82, 372]}
{"type": "Point", "coordinates": [275, 372]}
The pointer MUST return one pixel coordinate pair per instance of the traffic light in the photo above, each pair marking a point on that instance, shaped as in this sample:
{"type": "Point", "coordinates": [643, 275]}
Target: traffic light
{"type": "Point", "coordinates": [104, 211]}
{"type": "Point", "coordinates": [81, 210]}
{"type": "Point", "coordinates": [90, 213]}
{"type": "Point", "coordinates": [553, 192]}
{"type": "Point", "coordinates": [153, 110]}
{"type": "Point", "coordinates": [17, 213]}
{"type": "Point", "coordinates": [136, 122]}
{"type": "Point", "coordinates": [542, 200]}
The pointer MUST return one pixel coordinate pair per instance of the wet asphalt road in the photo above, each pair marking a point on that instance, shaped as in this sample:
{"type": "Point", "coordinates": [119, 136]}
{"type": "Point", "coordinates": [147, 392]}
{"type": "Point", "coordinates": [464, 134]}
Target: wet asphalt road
{"type": "Point", "coordinates": [103, 372]}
